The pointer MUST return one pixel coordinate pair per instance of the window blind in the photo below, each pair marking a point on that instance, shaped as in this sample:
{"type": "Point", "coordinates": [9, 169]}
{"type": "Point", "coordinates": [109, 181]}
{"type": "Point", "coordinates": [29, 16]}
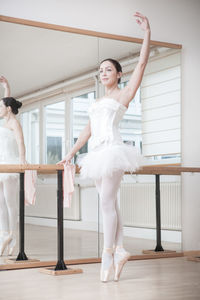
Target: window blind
{"type": "Point", "coordinates": [161, 111]}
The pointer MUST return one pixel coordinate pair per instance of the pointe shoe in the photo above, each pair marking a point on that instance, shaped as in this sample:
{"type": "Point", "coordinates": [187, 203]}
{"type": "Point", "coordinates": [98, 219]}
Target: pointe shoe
{"type": "Point", "coordinates": [11, 246]}
{"type": "Point", "coordinates": [106, 264]}
{"type": "Point", "coordinates": [11, 251]}
{"type": "Point", "coordinates": [4, 244]}
{"type": "Point", "coordinates": [121, 256]}
{"type": "Point", "coordinates": [12, 243]}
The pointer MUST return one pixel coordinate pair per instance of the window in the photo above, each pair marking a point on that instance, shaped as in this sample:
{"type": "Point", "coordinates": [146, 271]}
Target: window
{"type": "Point", "coordinates": [80, 117]}
{"type": "Point", "coordinates": [55, 132]}
{"type": "Point", "coordinates": [161, 114]}
{"type": "Point", "coordinates": [30, 126]}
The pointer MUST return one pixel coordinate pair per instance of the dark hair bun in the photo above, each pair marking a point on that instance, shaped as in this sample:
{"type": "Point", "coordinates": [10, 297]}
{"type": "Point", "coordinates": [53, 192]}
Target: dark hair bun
{"type": "Point", "coordinates": [13, 103]}
{"type": "Point", "coordinates": [19, 104]}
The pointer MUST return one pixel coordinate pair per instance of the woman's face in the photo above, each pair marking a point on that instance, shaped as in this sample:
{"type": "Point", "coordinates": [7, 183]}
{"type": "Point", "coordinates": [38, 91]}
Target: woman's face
{"type": "Point", "coordinates": [3, 109]}
{"type": "Point", "coordinates": [108, 73]}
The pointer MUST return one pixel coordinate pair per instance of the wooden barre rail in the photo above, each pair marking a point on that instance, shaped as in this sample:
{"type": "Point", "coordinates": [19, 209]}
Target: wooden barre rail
{"type": "Point", "coordinates": [50, 169]}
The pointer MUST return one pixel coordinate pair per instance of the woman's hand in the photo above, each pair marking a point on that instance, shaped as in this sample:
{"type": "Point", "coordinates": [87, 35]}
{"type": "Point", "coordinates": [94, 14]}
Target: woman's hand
{"type": "Point", "coordinates": [4, 81]}
{"type": "Point", "coordinates": [23, 161]}
{"type": "Point", "coordinates": [142, 21]}
{"type": "Point", "coordinates": [66, 159]}
{"type": "Point", "coordinates": [5, 84]}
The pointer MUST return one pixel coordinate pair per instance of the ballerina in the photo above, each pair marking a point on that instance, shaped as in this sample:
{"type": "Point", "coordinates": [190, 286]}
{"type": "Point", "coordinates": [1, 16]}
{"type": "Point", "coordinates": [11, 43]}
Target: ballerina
{"type": "Point", "coordinates": [108, 157]}
{"type": "Point", "coordinates": [12, 151]}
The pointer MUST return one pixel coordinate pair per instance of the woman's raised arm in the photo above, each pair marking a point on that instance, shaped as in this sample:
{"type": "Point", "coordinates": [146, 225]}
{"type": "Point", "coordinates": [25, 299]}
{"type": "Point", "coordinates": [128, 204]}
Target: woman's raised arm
{"type": "Point", "coordinates": [20, 141]}
{"type": "Point", "coordinates": [130, 90]}
{"type": "Point", "coordinates": [6, 86]}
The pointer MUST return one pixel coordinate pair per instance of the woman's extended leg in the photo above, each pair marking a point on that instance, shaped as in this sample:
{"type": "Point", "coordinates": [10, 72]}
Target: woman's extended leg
{"type": "Point", "coordinates": [120, 254]}
{"type": "Point", "coordinates": [4, 225]}
{"type": "Point", "coordinates": [113, 229]}
{"type": "Point", "coordinates": [119, 232]}
{"type": "Point", "coordinates": [10, 194]}
{"type": "Point", "coordinates": [107, 188]}
{"type": "Point", "coordinates": [108, 196]}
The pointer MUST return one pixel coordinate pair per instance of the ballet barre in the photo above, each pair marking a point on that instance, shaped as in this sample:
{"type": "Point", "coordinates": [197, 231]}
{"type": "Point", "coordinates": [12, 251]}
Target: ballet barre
{"type": "Point", "coordinates": [158, 171]}
{"type": "Point", "coordinates": [52, 169]}
{"type": "Point", "coordinates": [44, 169]}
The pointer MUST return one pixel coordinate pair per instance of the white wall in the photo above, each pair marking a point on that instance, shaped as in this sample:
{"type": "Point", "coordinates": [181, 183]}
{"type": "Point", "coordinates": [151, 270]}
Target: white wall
{"type": "Point", "coordinates": [175, 21]}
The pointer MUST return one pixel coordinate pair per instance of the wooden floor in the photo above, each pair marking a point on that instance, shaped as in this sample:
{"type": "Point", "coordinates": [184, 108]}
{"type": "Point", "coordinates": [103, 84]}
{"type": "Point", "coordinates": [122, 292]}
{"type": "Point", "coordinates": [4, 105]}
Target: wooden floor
{"type": "Point", "coordinates": [166, 279]}
{"type": "Point", "coordinates": [169, 278]}
{"type": "Point", "coordinates": [41, 243]}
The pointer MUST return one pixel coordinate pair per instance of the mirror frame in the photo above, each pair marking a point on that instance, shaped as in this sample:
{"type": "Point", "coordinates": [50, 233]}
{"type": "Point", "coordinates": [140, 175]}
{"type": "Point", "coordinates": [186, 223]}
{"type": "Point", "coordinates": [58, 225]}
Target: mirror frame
{"type": "Point", "coordinates": [85, 32]}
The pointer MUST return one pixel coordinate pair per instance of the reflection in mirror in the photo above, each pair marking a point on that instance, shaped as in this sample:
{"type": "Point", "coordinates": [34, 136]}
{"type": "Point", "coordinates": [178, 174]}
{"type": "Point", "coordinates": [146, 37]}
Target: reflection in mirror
{"type": "Point", "coordinates": [30, 125]}
{"type": "Point", "coordinates": [54, 131]}
{"type": "Point", "coordinates": [55, 74]}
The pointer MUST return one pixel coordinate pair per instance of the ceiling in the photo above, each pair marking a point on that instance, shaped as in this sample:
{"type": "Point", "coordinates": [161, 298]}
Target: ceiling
{"type": "Point", "coordinates": [32, 58]}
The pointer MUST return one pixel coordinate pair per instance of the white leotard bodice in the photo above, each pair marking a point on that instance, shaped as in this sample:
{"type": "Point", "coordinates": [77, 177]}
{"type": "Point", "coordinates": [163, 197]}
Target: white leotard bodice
{"type": "Point", "coordinates": [105, 116]}
{"type": "Point", "coordinates": [107, 152]}
{"type": "Point", "coordinates": [8, 147]}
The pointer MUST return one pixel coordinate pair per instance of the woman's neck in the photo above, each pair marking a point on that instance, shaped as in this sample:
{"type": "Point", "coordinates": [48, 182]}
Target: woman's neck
{"type": "Point", "coordinates": [109, 91]}
{"type": "Point", "coordinates": [8, 118]}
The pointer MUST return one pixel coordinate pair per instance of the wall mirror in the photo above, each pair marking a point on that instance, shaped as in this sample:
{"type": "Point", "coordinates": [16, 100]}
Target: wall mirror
{"type": "Point", "coordinates": [55, 74]}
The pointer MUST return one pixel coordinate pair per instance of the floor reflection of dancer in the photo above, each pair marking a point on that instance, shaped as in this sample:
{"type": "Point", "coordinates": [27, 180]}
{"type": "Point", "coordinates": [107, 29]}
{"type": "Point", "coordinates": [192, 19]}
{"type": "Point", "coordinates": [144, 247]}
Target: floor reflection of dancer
{"type": "Point", "coordinates": [109, 157]}
{"type": "Point", "coordinates": [12, 151]}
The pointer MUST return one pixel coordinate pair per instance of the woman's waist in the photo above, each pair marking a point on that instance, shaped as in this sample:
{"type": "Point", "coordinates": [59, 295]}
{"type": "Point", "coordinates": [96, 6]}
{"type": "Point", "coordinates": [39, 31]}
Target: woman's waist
{"type": "Point", "coordinates": [8, 158]}
{"type": "Point", "coordinates": [96, 141]}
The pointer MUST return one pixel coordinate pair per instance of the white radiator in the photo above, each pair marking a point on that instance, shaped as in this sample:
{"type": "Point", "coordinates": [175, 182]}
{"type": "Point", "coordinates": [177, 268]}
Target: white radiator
{"type": "Point", "coordinates": [137, 205]}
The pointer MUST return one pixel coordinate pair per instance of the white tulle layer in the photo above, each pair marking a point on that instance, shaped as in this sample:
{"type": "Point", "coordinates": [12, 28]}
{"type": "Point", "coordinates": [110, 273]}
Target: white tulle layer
{"type": "Point", "coordinates": [107, 159]}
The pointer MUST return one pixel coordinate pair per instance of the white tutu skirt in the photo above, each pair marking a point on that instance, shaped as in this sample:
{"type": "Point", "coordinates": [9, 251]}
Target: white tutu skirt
{"type": "Point", "coordinates": [104, 160]}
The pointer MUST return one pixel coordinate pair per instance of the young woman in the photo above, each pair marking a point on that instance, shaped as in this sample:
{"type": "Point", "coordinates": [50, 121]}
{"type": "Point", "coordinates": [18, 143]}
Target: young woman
{"type": "Point", "coordinates": [12, 151]}
{"type": "Point", "coordinates": [109, 157]}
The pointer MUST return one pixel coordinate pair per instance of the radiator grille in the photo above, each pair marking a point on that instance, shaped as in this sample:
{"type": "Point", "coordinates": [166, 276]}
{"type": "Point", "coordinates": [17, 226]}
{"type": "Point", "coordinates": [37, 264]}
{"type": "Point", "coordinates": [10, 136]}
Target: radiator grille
{"type": "Point", "coordinates": [137, 205]}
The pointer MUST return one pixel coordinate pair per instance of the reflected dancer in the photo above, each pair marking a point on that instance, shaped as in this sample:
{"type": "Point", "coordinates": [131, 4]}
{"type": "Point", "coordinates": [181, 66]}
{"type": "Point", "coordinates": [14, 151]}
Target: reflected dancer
{"type": "Point", "coordinates": [12, 151]}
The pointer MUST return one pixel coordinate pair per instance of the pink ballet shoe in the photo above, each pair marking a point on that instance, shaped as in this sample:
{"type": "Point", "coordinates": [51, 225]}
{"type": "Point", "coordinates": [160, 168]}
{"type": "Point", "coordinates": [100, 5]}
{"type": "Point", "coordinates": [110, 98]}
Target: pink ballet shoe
{"type": "Point", "coordinates": [106, 264]}
{"type": "Point", "coordinates": [4, 244]}
{"type": "Point", "coordinates": [11, 251]}
{"type": "Point", "coordinates": [12, 244]}
{"type": "Point", "coordinates": [121, 256]}
{"type": "Point", "coordinates": [11, 248]}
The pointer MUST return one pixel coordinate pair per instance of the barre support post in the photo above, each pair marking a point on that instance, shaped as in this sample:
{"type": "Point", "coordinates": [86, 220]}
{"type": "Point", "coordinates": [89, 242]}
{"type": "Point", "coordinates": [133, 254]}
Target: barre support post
{"type": "Point", "coordinates": [61, 268]}
{"type": "Point", "coordinates": [158, 217]}
{"type": "Point", "coordinates": [21, 255]}
{"type": "Point", "coordinates": [60, 263]}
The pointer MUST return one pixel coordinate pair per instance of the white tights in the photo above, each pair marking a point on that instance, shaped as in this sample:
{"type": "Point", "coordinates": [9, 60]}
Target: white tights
{"type": "Point", "coordinates": [8, 205]}
{"type": "Point", "coordinates": [107, 188]}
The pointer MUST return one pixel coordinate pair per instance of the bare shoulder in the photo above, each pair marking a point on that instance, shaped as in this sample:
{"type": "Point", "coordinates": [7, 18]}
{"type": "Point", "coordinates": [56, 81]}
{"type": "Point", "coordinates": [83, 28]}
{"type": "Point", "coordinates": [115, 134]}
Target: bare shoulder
{"type": "Point", "coordinates": [15, 125]}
